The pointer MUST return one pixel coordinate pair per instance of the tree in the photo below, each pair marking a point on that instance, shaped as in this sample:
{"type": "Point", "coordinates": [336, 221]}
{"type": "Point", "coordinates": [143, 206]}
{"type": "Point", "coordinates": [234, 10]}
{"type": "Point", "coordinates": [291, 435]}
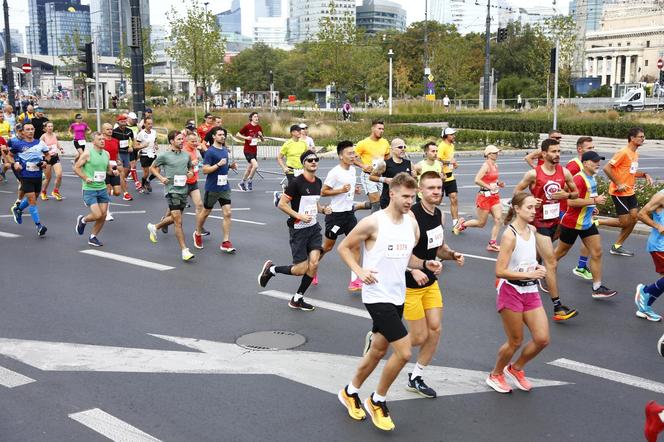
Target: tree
{"type": "Point", "coordinates": [250, 69]}
{"type": "Point", "coordinates": [69, 45]}
{"type": "Point", "coordinates": [124, 56]}
{"type": "Point", "coordinates": [197, 44]}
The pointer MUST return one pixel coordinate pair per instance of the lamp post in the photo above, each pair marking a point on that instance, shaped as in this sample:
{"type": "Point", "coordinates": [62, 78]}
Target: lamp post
{"type": "Point", "coordinates": [487, 59]}
{"type": "Point", "coordinates": [8, 57]}
{"type": "Point", "coordinates": [390, 54]}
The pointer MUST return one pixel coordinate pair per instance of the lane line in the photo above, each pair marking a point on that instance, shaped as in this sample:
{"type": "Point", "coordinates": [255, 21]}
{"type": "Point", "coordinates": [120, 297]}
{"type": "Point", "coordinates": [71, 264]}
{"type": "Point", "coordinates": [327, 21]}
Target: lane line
{"type": "Point", "coordinates": [120, 204]}
{"type": "Point", "coordinates": [233, 209]}
{"type": "Point", "coordinates": [128, 260]}
{"type": "Point", "coordinates": [485, 258]}
{"type": "Point", "coordinates": [127, 212]}
{"type": "Point", "coordinates": [320, 304]}
{"type": "Point", "coordinates": [11, 379]}
{"type": "Point", "coordinates": [110, 426]}
{"type": "Point", "coordinates": [9, 235]}
{"type": "Point", "coordinates": [235, 220]}
{"type": "Point", "coordinates": [611, 375]}
{"type": "Point", "coordinates": [6, 191]}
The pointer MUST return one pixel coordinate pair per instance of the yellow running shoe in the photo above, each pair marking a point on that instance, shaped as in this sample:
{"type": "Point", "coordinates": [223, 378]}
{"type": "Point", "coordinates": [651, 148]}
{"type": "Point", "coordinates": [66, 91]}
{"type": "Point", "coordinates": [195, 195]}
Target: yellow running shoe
{"type": "Point", "coordinates": [43, 196]}
{"type": "Point", "coordinates": [56, 195]}
{"type": "Point", "coordinates": [153, 232]}
{"type": "Point", "coordinates": [380, 415]}
{"type": "Point", "coordinates": [353, 404]}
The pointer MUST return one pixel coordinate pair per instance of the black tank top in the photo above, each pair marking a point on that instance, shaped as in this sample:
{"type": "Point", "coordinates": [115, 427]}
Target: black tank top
{"type": "Point", "coordinates": [431, 237]}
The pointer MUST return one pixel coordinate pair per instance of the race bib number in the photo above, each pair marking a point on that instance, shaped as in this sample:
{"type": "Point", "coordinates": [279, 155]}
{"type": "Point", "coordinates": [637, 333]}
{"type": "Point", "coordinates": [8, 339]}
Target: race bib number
{"type": "Point", "coordinates": [195, 168]}
{"type": "Point", "coordinates": [124, 144]}
{"type": "Point", "coordinates": [634, 167]}
{"type": "Point", "coordinates": [113, 163]}
{"type": "Point", "coordinates": [99, 176]}
{"type": "Point", "coordinates": [550, 211]}
{"type": "Point", "coordinates": [53, 149]}
{"type": "Point", "coordinates": [222, 180]}
{"type": "Point", "coordinates": [32, 167]}
{"type": "Point", "coordinates": [308, 206]}
{"type": "Point", "coordinates": [486, 193]}
{"type": "Point", "coordinates": [253, 142]}
{"type": "Point", "coordinates": [151, 154]}
{"type": "Point", "coordinates": [524, 267]}
{"type": "Point", "coordinates": [297, 172]}
{"type": "Point", "coordinates": [435, 237]}
{"type": "Point", "coordinates": [179, 180]}
{"type": "Point", "coordinates": [397, 249]}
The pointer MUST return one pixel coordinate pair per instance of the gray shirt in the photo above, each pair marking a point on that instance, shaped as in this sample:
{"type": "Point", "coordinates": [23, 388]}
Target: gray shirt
{"type": "Point", "coordinates": [174, 166]}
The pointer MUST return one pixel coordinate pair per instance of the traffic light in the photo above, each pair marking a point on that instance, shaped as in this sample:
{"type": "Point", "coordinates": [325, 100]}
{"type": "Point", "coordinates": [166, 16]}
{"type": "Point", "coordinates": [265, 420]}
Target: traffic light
{"type": "Point", "coordinates": [661, 77]}
{"type": "Point", "coordinates": [553, 61]}
{"type": "Point", "coordinates": [501, 35]}
{"type": "Point", "coordinates": [85, 57]}
{"type": "Point", "coordinates": [496, 76]}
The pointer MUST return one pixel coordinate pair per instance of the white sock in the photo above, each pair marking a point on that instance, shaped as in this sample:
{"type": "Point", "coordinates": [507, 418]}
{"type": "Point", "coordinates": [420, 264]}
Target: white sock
{"type": "Point", "coordinates": [417, 371]}
{"type": "Point", "coordinates": [352, 389]}
{"type": "Point", "coordinates": [378, 398]}
{"type": "Point", "coordinates": [274, 273]}
{"type": "Point", "coordinates": [353, 276]}
{"type": "Point", "coordinates": [297, 297]}
{"type": "Point", "coordinates": [596, 285]}
{"type": "Point", "coordinates": [83, 220]}
{"type": "Point", "coordinates": [454, 221]}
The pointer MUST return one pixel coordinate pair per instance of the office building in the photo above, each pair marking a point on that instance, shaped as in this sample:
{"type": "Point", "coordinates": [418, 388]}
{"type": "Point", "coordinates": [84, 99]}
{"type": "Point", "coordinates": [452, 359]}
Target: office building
{"type": "Point", "coordinates": [63, 21]}
{"type": "Point", "coordinates": [38, 35]}
{"type": "Point", "coordinates": [16, 42]}
{"type": "Point", "coordinates": [111, 21]}
{"type": "Point", "coordinates": [377, 16]}
{"type": "Point", "coordinates": [470, 16]}
{"type": "Point", "coordinates": [305, 16]}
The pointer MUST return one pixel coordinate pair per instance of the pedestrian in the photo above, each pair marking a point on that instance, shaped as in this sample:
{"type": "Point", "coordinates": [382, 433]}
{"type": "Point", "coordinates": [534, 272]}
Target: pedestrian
{"type": "Point", "coordinates": [53, 164]}
{"type": "Point", "coordinates": [251, 133]}
{"type": "Point", "coordinates": [652, 214]}
{"type": "Point", "coordinates": [446, 103]}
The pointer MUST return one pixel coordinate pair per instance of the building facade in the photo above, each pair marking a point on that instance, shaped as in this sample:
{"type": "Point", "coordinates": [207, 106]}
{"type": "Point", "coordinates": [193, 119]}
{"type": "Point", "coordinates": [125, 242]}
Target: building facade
{"type": "Point", "coordinates": [62, 21]}
{"type": "Point", "coordinates": [589, 12]}
{"type": "Point", "coordinates": [111, 22]}
{"type": "Point", "coordinates": [305, 16]}
{"type": "Point", "coordinates": [230, 21]}
{"type": "Point", "coordinates": [16, 42]}
{"type": "Point", "coordinates": [38, 35]}
{"type": "Point", "coordinates": [378, 16]}
{"type": "Point", "coordinates": [470, 16]}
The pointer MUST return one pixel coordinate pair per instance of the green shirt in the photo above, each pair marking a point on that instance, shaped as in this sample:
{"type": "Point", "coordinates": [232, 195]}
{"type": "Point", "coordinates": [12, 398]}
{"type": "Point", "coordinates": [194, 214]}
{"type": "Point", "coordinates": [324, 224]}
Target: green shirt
{"type": "Point", "coordinates": [292, 151]}
{"type": "Point", "coordinates": [174, 166]}
{"type": "Point", "coordinates": [95, 169]}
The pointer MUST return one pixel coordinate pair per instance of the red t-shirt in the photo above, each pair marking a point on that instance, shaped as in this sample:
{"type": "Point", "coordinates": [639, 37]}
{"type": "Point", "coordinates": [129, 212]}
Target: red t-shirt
{"type": "Point", "coordinates": [547, 215]}
{"type": "Point", "coordinates": [249, 130]}
{"type": "Point", "coordinates": [202, 130]}
{"type": "Point", "coordinates": [193, 154]}
{"type": "Point", "coordinates": [574, 166]}
{"type": "Point", "coordinates": [112, 146]}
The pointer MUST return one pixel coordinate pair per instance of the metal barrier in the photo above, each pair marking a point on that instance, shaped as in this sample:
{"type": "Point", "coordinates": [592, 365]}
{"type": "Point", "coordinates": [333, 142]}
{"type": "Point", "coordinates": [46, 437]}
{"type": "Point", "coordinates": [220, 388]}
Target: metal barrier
{"type": "Point", "coordinates": [60, 104]}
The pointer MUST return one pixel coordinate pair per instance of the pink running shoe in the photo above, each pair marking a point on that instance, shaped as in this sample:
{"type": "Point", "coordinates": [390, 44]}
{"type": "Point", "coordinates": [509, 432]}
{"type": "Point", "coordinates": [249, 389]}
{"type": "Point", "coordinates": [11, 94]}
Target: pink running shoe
{"type": "Point", "coordinates": [493, 247]}
{"type": "Point", "coordinates": [315, 280]}
{"type": "Point", "coordinates": [355, 286]}
{"type": "Point", "coordinates": [518, 377]}
{"type": "Point", "coordinates": [498, 383]}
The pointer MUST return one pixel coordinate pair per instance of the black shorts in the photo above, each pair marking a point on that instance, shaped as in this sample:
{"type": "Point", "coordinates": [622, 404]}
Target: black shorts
{"type": "Point", "coordinates": [289, 177]}
{"type": "Point", "coordinates": [551, 232]}
{"type": "Point", "coordinates": [29, 185]}
{"type": "Point", "coordinates": [176, 201]}
{"type": "Point", "coordinates": [55, 159]}
{"type": "Point", "coordinates": [112, 179]}
{"type": "Point", "coordinates": [568, 236]}
{"type": "Point", "coordinates": [249, 156]}
{"type": "Point", "coordinates": [624, 204]}
{"type": "Point", "coordinates": [146, 161]}
{"type": "Point", "coordinates": [387, 320]}
{"type": "Point", "coordinates": [450, 187]}
{"type": "Point", "coordinates": [191, 187]}
{"type": "Point", "coordinates": [339, 223]}
{"type": "Point", "coordinates": [303, 241]}
{"type": "Point", "coordinates": [79, 144]}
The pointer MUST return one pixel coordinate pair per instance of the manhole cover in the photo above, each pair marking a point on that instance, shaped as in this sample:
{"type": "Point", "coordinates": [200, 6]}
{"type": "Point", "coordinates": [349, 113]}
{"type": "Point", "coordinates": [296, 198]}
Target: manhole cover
{"type": "Point", "coordinates": [270, 340]}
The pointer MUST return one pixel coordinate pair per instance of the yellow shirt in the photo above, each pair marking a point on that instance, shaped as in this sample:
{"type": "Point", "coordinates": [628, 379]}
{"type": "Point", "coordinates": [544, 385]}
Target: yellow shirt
{"type": "Point", "coordinates": [25, 116]}
{"type": "Point", "coordinates": [5, 130]}
{"type": "Point", "coordinates": [446, 155]}
{"type": "Point", "coordinates": [292, 151]}
{"type": "Point", "coordinates": [369, 150]}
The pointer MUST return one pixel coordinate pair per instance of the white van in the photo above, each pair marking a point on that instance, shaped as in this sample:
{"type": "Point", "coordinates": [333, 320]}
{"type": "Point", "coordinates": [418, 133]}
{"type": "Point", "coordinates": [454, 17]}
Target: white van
{"type": "Point", "coordinates": [634, 99]}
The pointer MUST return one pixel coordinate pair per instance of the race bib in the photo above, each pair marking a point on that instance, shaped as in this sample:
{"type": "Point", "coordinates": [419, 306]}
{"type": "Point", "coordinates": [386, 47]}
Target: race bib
{"type": "Point", "coordinates": [524, 267]}
{"type": "Point", "coordinates": [253, 142]}
{"type": "Point", "coordinates": [550, 211]}
{"type": "Point", "coordinates": [179, 180]}
{"type": "Point", "coordinates": [397, 249]}
{"type": "Point", "coordinates": [53, 149]}
{"type": "Point", "coordinates": [99, 176]}
{"type": "Point", "coordinates": [32, 167]}
{"type": "Point", "coordinates": [350, 195]}
{"type": "Point", "coordinates": [308, 206]}
{"type": "Point", "coordinates": [297, 172]}
{"type": "Point", "coordinates": [195, 168]}
{"type": "Point", "coordinates": [222, 180]}
{"type": "Point", "coordinates": [634, 167]}
{"type": "Point", "coordinates": [486, 193]}
{"type": "Point", "coordinates": [124, 144]}
{"type": "Point", "coordinates": [113, 163]}
{"type": "Point", "coordinates": [151, 154]}
{"type": "Point", "coordinates": [435, 237]}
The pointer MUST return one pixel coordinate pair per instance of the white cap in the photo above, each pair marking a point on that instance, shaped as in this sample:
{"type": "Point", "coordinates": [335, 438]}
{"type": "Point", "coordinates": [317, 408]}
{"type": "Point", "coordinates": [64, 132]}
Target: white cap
{"type": "Point", "coordinates": [132, 116]}
{"type": "Point", "coordinates": [448, 131]}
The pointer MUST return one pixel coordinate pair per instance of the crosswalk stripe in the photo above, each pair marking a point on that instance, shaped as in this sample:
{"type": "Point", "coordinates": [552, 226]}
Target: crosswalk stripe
{"type": "Point", "coordinates": [128, 260]}
{"type": "Point", "coordinates": [11, 379]}
{"type": "Point", "coordinates": [320, 304]}
{"type": "Point", "coordinates": [110, 426]}
{"type": "Point", "coordinates": [8, 235]}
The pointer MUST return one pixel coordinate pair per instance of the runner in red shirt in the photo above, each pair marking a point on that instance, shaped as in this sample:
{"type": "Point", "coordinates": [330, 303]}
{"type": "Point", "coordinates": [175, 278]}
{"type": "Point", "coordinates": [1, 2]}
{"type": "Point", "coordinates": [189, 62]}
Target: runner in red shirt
{"type": "Point", "coordinates": [547, 183]}
{"type": "Point", "coordinates": [115, 185]}
{"type": "Point", "coordinates": [205, 127]}
{"type": "Point", "coordinates": [251, 134]}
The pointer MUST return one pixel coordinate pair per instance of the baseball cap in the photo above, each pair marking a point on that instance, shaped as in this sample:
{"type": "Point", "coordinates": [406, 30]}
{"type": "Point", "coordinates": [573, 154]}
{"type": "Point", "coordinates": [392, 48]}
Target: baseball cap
{"type": "Point", "coordinates": [190, 126]}
{"type": "Point", "coordinates": [591, 155]}
{"type": "Point", "coordinates": [148, 109]}
{"type": "Point", "coordinates": [39, 109]}
{"type": "Point", "coordinates": [295, 127]}
{"type": "Point", "coordinates": [397, 142]}
{"type": "Point", "coordinates": [490, 149]}
{"type": "Point", "coordinates": [132, 116]}
{"type": "Point", "coordinates": [207, 115]}
{"type": "Point", "coordinates": [449, 131]}
{"type": "Point", "coordinates": [303, 126]}
{"type": "Point", "coordinates": [306, 154]}
{"type": "Point", "coordinates": [122, 117]}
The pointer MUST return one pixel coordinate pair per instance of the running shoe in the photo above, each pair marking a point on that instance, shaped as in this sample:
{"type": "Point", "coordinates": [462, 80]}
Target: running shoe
{"type": "Point", "coordinates": [314, 280]}
{"type": "Point", "coordinates": [93, 241]}
{"type": "Point", "coordinates": [265, 274]}
{"type": "Point", "coordinates": [352, 403]}
{"type": "Point", "coordinates": [603, 292]}
{"type": "Point", "coordinates": [367, 342]}
{"type": "Point", "coordinates": [300, 304]}
{"type": "Point", "coordinates": [187, 255]}
{"type": "Point", "coordinates": [41, 230]}
{"type": "Point", "coordinates": [418, 386]}
{"type": "Point", "coordinates": [276, 197]}
{"type": "Point", "coordinates": [138, 185]}
{"type": "Point", "coordinates": [654, 424]}
{"type": "Point", "coordinates": [582, 273]}
{"type": "Point", "coordinates": [198, 240]}
{"type": "Point", "coordinates": [56, 194]}
{"type": "Point", "coordinates": [563, 313]}
{"type": "Point", "coordinates": [355, 286]}
{"type": "Point", "coordinates": [127, 197]}
{"type": "Point", "coordinates": [518, 377]}
{"type": "Point", "coordinates": [643, 310]}
{"type": "Point", "coordinates": [204, 232]}
{"type": "Point", "coordinates": [17, 213]}
{"type": "Point", "coordinates": [80, 225]}
{"type": "Point", "coordinates": [493, 247]}
{"type": "Point", "coordinates": [620, 251]}
{"type": "Point", "coordinates": [164, 229]}
{"type": "Point", "coordinates": [498, 383]}
{"type": "Point", "coordinates": [43, 196]}
{"type": "Point", "coordinates": [250, 186]}
{"type": "Point", "coordinates": [242, 186]}
{"type": "Point", "coordinates": [459, 227]}
{"type": "Point", "coordinates": [153, 234]}
{"type": "Point", "coordinates": [380, 415]}
{"type": "Point", "coordinates": [542, 285]}
{"type": "Point", "coordinates": [148, 186]}
{"type": "Point", "coordinates": [109, 216]}
{"type": "Point", "coordinates": [227, 247]}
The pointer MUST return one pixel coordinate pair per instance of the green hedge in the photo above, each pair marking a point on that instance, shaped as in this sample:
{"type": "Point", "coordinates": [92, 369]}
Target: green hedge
{"type": "Point", "coordinates": [643, 190]}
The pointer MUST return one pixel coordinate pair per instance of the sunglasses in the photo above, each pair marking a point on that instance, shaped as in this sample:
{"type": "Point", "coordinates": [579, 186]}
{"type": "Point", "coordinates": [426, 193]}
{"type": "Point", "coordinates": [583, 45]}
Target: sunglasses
{"type": "Point", "coordinates": [557, 138]}
{"type": "Point", "coordinates": [400, 147]}
{"type": "Point", "coordinates": [312, 160]}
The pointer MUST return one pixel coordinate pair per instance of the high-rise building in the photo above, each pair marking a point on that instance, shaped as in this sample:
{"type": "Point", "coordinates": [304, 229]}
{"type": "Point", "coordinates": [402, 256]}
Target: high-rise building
{"type": "Point", "coordinates": [230, 21]}
{"type": "Point", "coordinates": [536, 15]}
{"type": "Point", "coordinates": [269, 8]}
{"type": "Point", "coordinates": [111, 22]}
{"type": "Point", "coordinates": [376, 16]}
{"type": "Point", "coordinates": [38, 35]}
{"type": "Point", "coordinates": [305, 16]}
{"type": "Point", "coordinates": [16, 42]}
{"type": "Point", "coordinates": [590, 11]}
{"type": "Point", "coordinates": [470, 16]}
{"type": "Point", "coordinates": [62, 21]}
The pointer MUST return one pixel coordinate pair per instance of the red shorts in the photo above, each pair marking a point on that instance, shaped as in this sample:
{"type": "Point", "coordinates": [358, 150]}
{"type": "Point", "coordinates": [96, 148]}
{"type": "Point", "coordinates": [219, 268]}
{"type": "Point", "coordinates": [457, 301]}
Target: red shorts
{"type": "Point", "coordinates": [508, 297]}
{"type": "Point", "coordinates": [487, 202]}
{"type": "Point", "coordinates": [658, 259]}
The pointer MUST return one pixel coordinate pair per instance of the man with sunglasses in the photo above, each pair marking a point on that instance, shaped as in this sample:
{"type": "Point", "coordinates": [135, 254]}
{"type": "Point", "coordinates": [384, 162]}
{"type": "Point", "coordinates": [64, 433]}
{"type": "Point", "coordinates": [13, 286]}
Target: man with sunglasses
{"type": "Point", "coordinates": [301, 202]}
{"type": "Point", "coordinates": [205, 127]}
{"type": "Point", "coordinates": [397, 163]}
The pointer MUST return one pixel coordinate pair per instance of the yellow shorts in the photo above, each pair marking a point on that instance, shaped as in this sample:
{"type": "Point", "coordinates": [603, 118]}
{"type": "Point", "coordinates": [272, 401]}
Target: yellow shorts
{"type": "Point", "coordinates": [419, 300]}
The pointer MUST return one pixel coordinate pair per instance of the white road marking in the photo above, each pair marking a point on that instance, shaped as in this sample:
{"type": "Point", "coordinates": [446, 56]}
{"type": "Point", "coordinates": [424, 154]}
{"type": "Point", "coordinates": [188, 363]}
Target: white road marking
{"type": "Point", "coordinates": [8, 235]}
{"type": "Point", "coordinates": [6, 191]}
{"type": "Point", "coordinates": [128, 260]}
{"type": "Point", "coordinates": [615, 376]}
{"type": "Point", "coordinates": [233, 209]}
{"type": "Point", "coordinates": [235, 220]}
{"type": "Point", "coordinates": [320, 304]}
{"type": "Point", "coordinates": [485, 258]}
{"type": "Point", "coordinates": [127, 212]}
{"type": "Point", "coordinates": [6, 216]}
{"type": "Point", "coordinates": [11, 379]}
{"type": "Point", "coordinates": [120, 204]}
{"type": "Point", "coordinates": [110, 426]}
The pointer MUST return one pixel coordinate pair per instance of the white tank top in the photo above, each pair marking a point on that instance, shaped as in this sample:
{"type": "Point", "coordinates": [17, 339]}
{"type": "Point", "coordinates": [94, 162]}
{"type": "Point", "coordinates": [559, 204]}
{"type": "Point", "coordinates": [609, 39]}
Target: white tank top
{"type": "Point", "coordinates": [524, 259]}
{"type": "Point", "coordinates": [389, 256]}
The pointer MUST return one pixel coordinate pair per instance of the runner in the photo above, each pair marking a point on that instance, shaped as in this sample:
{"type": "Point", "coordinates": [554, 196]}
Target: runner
{"type": "Point", "coordinates": [147, 113]}
{"type": "Point", "coordinates": [28, 157]}
{"type": "Point", "coordinates": [446, 156]}
{"type": "Point", "coordinates": [53, 164]}
{"type": "Point", "coordinates": [652, 215]}
{"type": "Point", "coordinates": [114, 182]}
{"type": "Point", "coordinates": [4, 150]}
{"type": "Point", "coordinates": [78, 130]}
{"type": "Point", "coordinates": [488, 198]}
{"type": "Point", "coordinates": [93, 167]}
{"type": "Point", "coordinates": [535, 158]}
{"type": "Point", "coordinates": [132, 124]}
{"type": "Point", "coordinates": [39, 121]}
{"type": "Point", "coordinates": [387, 238]}
{"type": "Point", "coordinates": [146, 144]}
{"type": "Point", "coordinates": [27, 116]}
{"type": "Point", "coordinates": [622, 170]}
{"type": "Point", "coordinates": [301, 202]}
{"type": "Point", "coordinates": [578, 221]}
{"type": "Point", "coordinates": [291, 151]}
{"type": "Point", "coordinates": [251, 133]}
{"type": "Point", "coordinates": [206, 125]}
{"type": "Point", "coordinates": [304, 129]}
{"type": "Point", "coordinates": [429, 163]}
{"type": "Point", "coordinates": [216, 164]}
{"type": "Point", "coordinates": [547, 183]}
{"type": "Point", "coordinates": [176, 167]}
{"type": "Point", "coordinates": [518, 300]}
{"type": "Point", "coordinates": [423, 308]}
{"type": "Point", "coordinates": [394, 165]}
{"type": "Point", "coordinates": [371, 154]}
{"type": "Point", "coordinates": [6, 128]}
{"type": "Point", "coordinates": [125, 138]}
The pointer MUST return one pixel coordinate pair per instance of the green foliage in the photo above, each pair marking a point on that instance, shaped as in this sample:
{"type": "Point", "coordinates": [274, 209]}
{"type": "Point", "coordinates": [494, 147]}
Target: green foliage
{"type": "Point", "coordinates": [642, 189]}
{"type": "Point", "coordinates": [124, 57]}
{"type": "Point", "coordinates": [513, 85]}
{"type": "Point", "coordinates": [602, 91]}
{"type": "Point", "coordinates": [258, 60]}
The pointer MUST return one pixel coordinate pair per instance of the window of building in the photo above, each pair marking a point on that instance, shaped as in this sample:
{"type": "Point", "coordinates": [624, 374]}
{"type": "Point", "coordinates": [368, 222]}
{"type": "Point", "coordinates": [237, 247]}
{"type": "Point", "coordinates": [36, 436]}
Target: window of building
{"type": "Point", "coordinates": [646, 63]}
{"type": "Point", "coordinates": [628, 43]}
{"type": "Point", "coordinates": [647, 43]}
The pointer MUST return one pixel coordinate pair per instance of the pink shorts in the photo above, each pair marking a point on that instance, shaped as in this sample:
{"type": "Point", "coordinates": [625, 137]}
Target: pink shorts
{"type": "Point", "coordinates": [508, 297]}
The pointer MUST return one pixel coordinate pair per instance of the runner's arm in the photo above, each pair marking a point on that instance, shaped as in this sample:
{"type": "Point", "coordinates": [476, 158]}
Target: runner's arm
{"type": "Point", "coordinates": [480, 174]}
{"type": "Point", "coordinates": [532, 158]}
{"type": "Point", "coordinates": [80, 163]}
{"type": "Point", "coordinates": [280, 160]}
{"type": "Point", "coordinates": [348, 248]}
{"type": "Point", "coordinates": [526, 182]}
{"type": "Point", "coordinates": [645, 214]}
{"type": "Point", "coordinates": [329, 191]}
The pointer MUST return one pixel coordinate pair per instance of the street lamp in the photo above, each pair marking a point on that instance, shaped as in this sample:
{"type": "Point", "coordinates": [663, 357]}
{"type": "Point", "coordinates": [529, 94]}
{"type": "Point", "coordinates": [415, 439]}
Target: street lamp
{"type": "Point", "coordinates": [390, 54]}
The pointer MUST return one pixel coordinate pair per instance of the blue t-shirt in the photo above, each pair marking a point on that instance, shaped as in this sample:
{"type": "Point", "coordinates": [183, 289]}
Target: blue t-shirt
{"type": "Point", "coordinates": [28, 154]}
{"type": "Point", "coordinates": [212, 156]}
{"type": "Point", "coordinates": [656, 239]}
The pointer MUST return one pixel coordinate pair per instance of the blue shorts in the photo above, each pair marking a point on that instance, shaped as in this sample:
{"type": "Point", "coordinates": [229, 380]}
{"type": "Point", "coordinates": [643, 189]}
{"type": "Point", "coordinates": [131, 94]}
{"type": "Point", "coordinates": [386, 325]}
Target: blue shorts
{"type": "Point", "coordinates": [124, 159]}
{"type": "Point", "coordinates": [91, 197]}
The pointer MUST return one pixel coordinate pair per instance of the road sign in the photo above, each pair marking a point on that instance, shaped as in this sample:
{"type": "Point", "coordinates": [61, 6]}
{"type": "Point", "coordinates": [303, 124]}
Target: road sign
{"type": "Point", "coordinates": [26, 68]}
{"type": "Point", "coordinates": [660, 64]}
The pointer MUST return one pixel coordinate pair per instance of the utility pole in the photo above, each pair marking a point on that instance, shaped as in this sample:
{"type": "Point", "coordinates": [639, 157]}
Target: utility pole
{"type": "Point", "coordinates": [95, 55]}
{"type": "Point", "coordinates": [427, 70]}
{"type": "Point", "coordinates": [487, 59]}
{"type": "Point", "coordinates": [555, 87]}
{"type": "Point", "coordinates": [8, 57]}
{"type": "Point", "coordinates": [137, 68]}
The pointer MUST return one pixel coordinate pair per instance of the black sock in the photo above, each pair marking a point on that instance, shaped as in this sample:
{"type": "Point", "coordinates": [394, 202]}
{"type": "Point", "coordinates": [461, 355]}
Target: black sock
{"type": "Point", "coordinates": [151, 177]}
{"type": "Point", "coordinates": [304, 284]}
{"type": "Point", "coordinates": [284, 270]}
{"type": "Point", "coordinates": [556, 302]}
{"type": "Point", "coordinates": [143, 181]}
{"type": "Point", "coordinates": [375, 207]}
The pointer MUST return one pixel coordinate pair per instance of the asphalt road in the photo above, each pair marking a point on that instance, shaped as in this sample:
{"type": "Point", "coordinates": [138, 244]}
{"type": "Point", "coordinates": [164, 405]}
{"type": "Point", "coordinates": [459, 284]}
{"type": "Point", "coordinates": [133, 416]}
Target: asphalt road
{"type": "Point", "coordinates": [77, 334]}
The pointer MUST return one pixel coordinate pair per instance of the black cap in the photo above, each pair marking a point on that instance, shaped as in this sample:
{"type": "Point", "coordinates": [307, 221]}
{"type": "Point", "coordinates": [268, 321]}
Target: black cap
{"type": "Point", "coordinates": [307, 153]}
{"type": "Point", "coordinates": [190, 126]}
{"type": "Point", "coordinates": [207, 115]}
{"type": "Point", "coordinates": [591, 155]}
{"type": "Point", "coordinates": [148, 109]}
{"type": "Point", "coordinates": [295, 127]}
